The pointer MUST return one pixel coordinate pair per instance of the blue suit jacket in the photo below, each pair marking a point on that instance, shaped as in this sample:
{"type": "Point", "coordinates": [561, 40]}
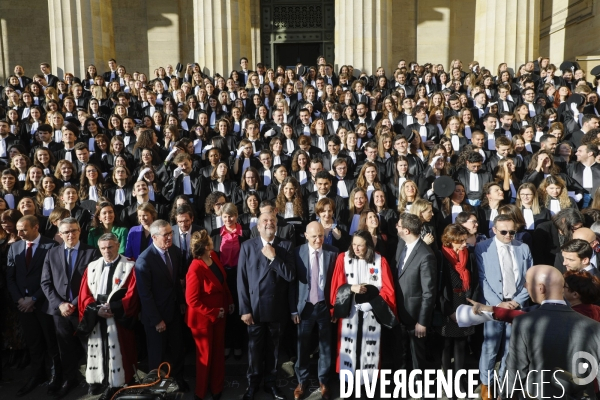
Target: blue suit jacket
{"type": "Point", "coordinates": [160, 293]}
{"type": "Point", "coordinates": [262, 285]}
{"type": "Point", "coordinates": [133, 249]}
{"type": "Point", "coordinates": [300, 289]}
{"type": "Point", "coordinates": [490, 274]}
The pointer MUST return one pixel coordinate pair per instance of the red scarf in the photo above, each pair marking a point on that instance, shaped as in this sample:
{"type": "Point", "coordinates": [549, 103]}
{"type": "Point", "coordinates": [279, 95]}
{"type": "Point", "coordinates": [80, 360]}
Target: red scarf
{"type": "Point", "coordinates": [459, 263]}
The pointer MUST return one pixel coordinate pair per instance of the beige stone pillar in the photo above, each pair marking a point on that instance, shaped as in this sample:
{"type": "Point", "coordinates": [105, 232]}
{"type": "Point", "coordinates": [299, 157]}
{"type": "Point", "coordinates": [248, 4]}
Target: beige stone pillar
{"type": "Point", "coordinates": [222, 34]}
{"type": "Point", "coordinates": [363, 34]}
{"type": "Point", "coordinates": [506, 31]}
{"type": "Point", "coordinates": [81, 33]}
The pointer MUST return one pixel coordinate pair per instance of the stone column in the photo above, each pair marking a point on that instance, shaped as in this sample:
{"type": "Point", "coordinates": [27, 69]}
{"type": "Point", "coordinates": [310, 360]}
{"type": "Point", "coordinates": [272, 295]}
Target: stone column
{"type": "Point", "coordinates": [506, 31]}
{"type": "Point", "coordinates": [363, 34]}
{"type": "Point", "coordinates": [222, 34]}
{"type": "Point", "coordinates": [81, 33]}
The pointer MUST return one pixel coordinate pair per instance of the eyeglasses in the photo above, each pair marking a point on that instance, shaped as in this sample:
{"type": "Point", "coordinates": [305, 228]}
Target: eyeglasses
{"type": "Point", "coordinates": [166, 235]}
{"type": "Point", "coordinates": [510, 233]}
{"type": "Point", "coordinates": [473, 221]}
{"type": "Point", "coordinates": [219, 204]}
{"type": "Point", "coordinates": [526, 194]}
{"type": "Point", "coordinates": [71, 232]}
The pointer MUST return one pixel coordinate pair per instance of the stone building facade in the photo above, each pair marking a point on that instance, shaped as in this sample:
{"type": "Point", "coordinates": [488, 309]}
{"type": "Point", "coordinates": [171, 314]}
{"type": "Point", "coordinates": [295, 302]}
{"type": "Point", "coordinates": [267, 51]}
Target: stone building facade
{"type": "Point", "coordinates": [146, 34]}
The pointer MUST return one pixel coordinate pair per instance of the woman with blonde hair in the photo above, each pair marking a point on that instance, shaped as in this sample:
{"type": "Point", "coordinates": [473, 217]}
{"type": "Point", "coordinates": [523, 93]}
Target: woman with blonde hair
{"type": "Point", "coordinates": [553, 195]}
{"type": "Point", "coordinates": [534, 213]}
{"type": "Point", "coordinates": [454, 133]}
{"type": "Point", "coordinates": [408, 194]}
{"type": "Point", "coordinates": [424, 210]}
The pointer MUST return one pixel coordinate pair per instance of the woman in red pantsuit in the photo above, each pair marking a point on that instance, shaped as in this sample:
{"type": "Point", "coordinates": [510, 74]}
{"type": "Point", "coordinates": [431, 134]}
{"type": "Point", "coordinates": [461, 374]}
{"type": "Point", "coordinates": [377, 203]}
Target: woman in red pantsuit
{"type": "Point", "coordinates": [209, 301]}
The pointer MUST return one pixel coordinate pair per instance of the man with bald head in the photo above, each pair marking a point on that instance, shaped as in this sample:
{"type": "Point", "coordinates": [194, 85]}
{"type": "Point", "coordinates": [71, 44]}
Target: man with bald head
{"type": "Point", "coordinates": [589, 236]}
{"type": "Point", "coordinates": [315, 262]}
{"type": "Point", "coordinates": [547, 338]}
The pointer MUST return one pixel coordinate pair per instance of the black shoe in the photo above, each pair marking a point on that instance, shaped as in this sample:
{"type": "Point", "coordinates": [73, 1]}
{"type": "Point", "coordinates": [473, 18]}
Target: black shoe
{"type": "Point", "coordinates": [249, 395]}
{"type": "Point", "coordinates": [54, 385]}
{"type": "Point", "coordinates": [217, 396]}
{"type": "Point", "coordinates": [107, 394]}
{"type": "Point", "coordinates": [31, 384]}
{"type": "Point", "coordinates": [197, 398]}
{"type": "Point", "coordinates": [95, 389]}
{"type": "Point", "coordinates": [66, 387]}
{"type": "Point", "coordinates": [183, 386]}
{"type": "Point", "coordinates": [274, 391]}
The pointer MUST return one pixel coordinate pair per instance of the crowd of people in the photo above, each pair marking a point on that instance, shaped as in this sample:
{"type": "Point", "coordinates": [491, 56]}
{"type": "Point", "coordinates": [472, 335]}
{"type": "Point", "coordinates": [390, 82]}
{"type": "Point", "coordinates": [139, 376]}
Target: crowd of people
{"type": "Point", "coordinates": [255, 210]}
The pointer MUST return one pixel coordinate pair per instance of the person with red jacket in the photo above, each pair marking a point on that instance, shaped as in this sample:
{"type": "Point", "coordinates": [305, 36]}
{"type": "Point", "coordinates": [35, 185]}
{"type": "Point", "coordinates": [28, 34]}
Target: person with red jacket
{"type": "Point", "coordinates": [209, 301]}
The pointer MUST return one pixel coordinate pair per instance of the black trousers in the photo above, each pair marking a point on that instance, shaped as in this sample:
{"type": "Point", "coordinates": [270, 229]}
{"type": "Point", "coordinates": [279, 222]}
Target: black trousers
{"type": "Point", "coordinates": [234, 329]}
{"type": "Point", "coordinates": [166, 346]}
{"type": "Point", "coordinates": [40, 335]}
{"type": "Point", "coordinates": [413, 350]}
{"type": "Point", "coordinates": [71, 347]}
{"type": "Point", "coordinates": [263, 352]}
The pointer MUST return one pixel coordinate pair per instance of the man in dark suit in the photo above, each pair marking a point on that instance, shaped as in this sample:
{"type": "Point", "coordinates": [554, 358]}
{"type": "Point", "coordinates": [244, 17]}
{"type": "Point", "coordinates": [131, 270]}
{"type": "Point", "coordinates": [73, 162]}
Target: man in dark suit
{"type": "Point", "coordinates": [415, 276]}
{"type": "Point", "coordinates": [303, 124]}
{"type": "Point", "coordinates": [577, 255]}
{"type": "Point", "coordinates": [363, 117]}
{"type": "Point", "coordinates": [23, 279]}
{"type": "Point", "coordinates": [323, 181]}
{"type": "Point", "coordinates": [311, 305]}
{"type": "Point", "coordinates": [6, 140]}
{"type": "Point", "coordinates": [152, 106]}
{"type": "Point", "coordinates": [61, 279]}
{"type": "Point", "coordinates": [244, 73]}
{"type": "Point", "coordinates": [504, 104]}
{"type": "Point", "coordinates": [473, 177]}
{"type": "Point", "coordinates": [337, 121]}
{"type": "Point", "coordinates": [588, 122]}
{"type": "Point", "coordinates": [186, 181]}
{"type": "Point", "coordinates": [52, 80]}
{"type": "Point", "coordinates": [586, 171]}
{"type": "Point", "coordinates": [159, 286]}
{"type": "Point", "coordinates": [284, 231]}
{"type": "Point", "coordinates": [265, 270]}
{"type": "Point", "coordinates": [333, 153]}
{"type": "Point", "coordinates": [182, 234]}
{"type": "Point", "coordinates": [111, 74]}
{"type": "Point", "coordinates": [20, 74]}
{"type": "Point", "coordinates": [429, 133]}
{"type": "Point", "coordinates": [534, 348]}
{"type": "Point", "coordinates": [528, 99]}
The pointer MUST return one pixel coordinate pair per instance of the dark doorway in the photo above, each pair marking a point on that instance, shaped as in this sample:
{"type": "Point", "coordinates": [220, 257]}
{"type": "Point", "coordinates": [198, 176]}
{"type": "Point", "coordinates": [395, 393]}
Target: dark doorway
{"type": "Point", "coordinates": [290, 54]}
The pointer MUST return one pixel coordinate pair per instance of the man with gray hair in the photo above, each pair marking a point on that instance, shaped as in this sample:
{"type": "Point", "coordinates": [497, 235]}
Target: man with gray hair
{"type": "Point", "coordinates": [108, 306]}
{"type": "Point", "coordinates": [62, 272]}
{"type": "Point", "coordinates": [158, 274]}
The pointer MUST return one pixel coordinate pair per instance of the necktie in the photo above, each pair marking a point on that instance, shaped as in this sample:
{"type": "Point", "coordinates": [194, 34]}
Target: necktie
{"type": "Point", "coordinates": [314, 278]}
{"type": "Point", "coordinates": [509, 287]}
{"type": "Point", "coordinates": [184, 250]}
{"type": "Point", "coordinates": [401, 261]}
{"type": "Point", "coordinates": [169, 263]}
{"type": "Point", "coordinates": [29, 254]}
{"type": "Point", "coordinates": [69, 263]}
{"type": "Point", "coordinates": [70, 270]}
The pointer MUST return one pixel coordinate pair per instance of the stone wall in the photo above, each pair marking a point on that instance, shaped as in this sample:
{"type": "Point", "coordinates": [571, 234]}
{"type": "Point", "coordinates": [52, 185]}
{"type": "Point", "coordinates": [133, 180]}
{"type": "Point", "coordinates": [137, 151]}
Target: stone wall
{"type": "Point", "coordinates": [146, 34]}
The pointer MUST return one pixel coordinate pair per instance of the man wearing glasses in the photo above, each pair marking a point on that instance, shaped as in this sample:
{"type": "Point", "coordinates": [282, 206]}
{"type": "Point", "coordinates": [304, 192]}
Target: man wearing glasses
{"type": "Point", "coordinates": [502, 263]}
{"type": "Point", "coordinates": [158, 276]}
{"type": "Point", "coordinates": [63, 269]}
